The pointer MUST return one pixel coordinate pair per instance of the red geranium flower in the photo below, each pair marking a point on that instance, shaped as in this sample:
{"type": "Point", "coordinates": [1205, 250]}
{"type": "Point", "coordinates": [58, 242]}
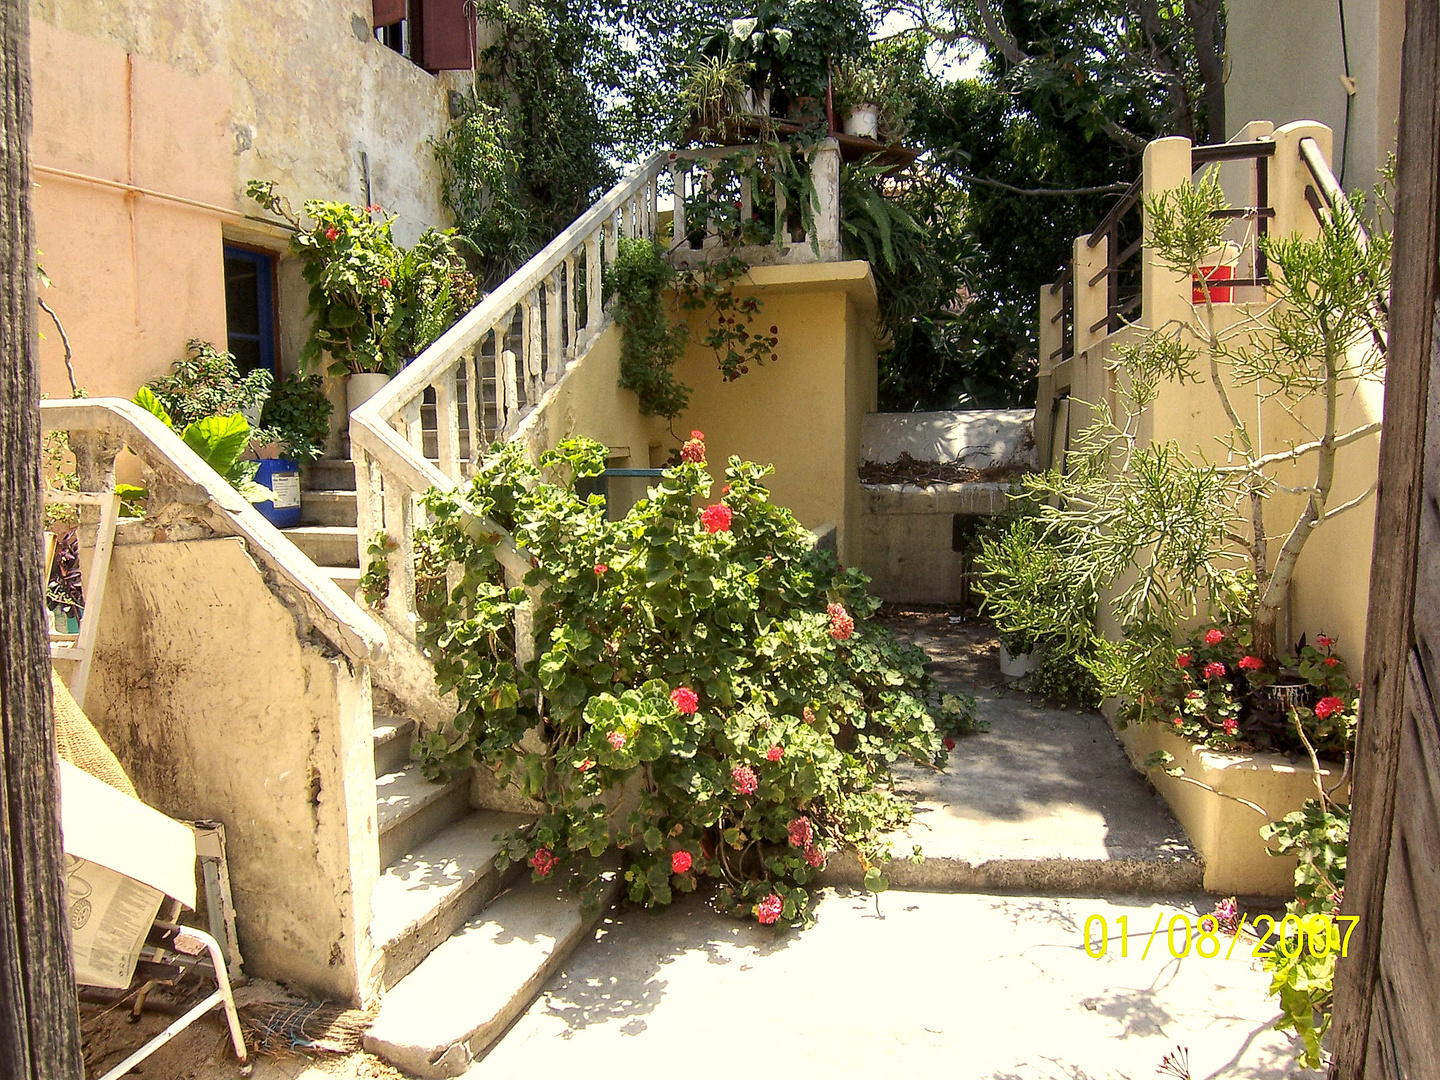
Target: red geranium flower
{"type": "Point", "coordinates": [543, 861]}
{"type": "Point", "coordinates": [745, 779]}
{"type": "Point", "coordinates": [685, 700]}
{"type": "Point", "coordinates": [1178, 722]}
{"type": "Point", "coordinates": [775, 753]}
{"type": "Point", "coordinates": [948, 742]}
{"type": "Point", "coordinates": [680, 862]}
{"type": "Point", "coordinates": [601, 568]}
{"type": "Point", "coordinates": [815, 856]}
{"type": "Point", "coordinates": [1328, 706]}
{"type": "Point", "coordinates": [1231, 725]}
{"type": "Point", "coordinates": [1214, 637]}
{"type": "Point", "coordinates": [1251, 663]}
{"type": "Point", "coordinates": [384, 282]}
{"type": "Point", "coordinates": [1214, 670]}
{"type": "Point", "coordinates": [693, 452]}
{"type": "Point", "coordinates": [1331, 661]}
{"type": "Point", "coordinates": [332, 233]}
{"type": "Point", "coordinates": [800, 831]}
{"type": "Point", "coordinates": [1183, 660]}
{"type": "Point", "coordinates": [768, 910]}
{"type": "Point", "coordinates": [1323, 642]}
{"type": "Point", "coordinates": [586, 765]}
{"type": "Point", "coordinates": [716, 518]}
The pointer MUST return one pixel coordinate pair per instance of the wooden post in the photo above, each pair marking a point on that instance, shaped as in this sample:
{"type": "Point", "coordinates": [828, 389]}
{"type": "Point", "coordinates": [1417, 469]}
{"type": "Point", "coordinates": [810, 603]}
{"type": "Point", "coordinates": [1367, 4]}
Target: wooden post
{"type": "Point", "coordinates": [39, 1025]}
{"type": "Point", "coordinates": [1379, 1019]}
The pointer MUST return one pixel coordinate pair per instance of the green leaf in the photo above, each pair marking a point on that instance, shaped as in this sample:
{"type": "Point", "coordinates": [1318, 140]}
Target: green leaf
{"type": "Point", "coordinates": [875, 881]}
{"type": "Point", "coordinates": [146, 399]}
{"type": "Point", "coordinates": [219, 440]}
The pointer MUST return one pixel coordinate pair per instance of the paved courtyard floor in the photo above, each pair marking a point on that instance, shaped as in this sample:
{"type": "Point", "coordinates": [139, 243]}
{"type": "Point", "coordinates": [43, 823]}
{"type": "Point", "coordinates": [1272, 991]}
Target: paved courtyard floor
{"type": "Point", "coordinates": [953, 986]}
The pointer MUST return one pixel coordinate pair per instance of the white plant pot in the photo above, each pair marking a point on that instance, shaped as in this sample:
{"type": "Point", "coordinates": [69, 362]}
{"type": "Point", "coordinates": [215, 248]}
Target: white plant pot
{"type": "Point", "coordinates": [756, 108]}
{"type": "Point", "coordinates": [1017, 667]}
{"type": "Point", "coordinates": [864, 122]}
{"type": "Point", "coordinates": [361, 388]}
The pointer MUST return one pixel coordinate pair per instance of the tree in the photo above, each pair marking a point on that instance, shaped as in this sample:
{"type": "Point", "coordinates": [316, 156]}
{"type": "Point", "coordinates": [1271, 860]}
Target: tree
{"type": "Point", "coordinates": [39, 1027]}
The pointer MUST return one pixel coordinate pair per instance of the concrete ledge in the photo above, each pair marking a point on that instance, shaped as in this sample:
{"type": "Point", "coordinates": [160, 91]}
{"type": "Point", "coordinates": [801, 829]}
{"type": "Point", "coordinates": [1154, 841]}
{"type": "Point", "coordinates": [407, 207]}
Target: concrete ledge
{"type": "Point", "coordinates": [1223, 829]}
{"type": "Point", "coordinates": [1140, 876]}
{"type": "Point", "coordinates": [980, 438]}
{"type": "Point", "coordinates": [978, 498]}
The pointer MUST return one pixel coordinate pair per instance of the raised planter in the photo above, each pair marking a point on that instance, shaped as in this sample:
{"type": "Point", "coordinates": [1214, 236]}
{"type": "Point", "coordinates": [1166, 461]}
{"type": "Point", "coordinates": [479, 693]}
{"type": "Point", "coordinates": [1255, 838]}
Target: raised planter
{"type": "Point", "coordinates": [1225, 831]}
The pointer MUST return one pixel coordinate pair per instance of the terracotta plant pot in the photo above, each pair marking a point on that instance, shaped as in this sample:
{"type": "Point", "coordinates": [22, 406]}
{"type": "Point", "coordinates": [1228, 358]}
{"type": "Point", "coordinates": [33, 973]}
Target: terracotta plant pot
{"type": "Point", "coordinates": [361, 388]}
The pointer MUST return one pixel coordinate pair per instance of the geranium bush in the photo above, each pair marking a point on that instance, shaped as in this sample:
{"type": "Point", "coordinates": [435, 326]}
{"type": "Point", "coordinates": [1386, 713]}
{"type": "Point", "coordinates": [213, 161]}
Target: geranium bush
{"type": "Point", "coordinates": [710, 691]}
{"type": "Point", "coordinates": [1212, 693]}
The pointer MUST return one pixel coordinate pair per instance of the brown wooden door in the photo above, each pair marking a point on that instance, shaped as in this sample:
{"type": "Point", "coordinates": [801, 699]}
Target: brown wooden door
{"type": "Point", "coordinates": [1387, 1006]}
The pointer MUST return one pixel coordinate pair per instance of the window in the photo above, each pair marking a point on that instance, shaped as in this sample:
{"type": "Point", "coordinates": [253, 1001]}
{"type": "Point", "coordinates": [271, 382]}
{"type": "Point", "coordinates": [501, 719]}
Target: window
{"type": "Point", "coordinates": [438, 35]}
{"type": "Point", "coordinates": [250, 308]}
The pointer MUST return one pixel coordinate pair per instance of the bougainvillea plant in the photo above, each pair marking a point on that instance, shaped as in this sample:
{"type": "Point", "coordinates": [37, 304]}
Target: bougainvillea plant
{"type": "Point", "coordinates": [709, 690]}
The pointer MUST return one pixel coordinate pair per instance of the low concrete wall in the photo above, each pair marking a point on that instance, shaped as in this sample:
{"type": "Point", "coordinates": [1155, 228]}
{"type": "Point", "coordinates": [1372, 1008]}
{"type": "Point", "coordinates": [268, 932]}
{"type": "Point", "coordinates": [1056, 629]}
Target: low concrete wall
{"type": "Point", "coordinates": [222, 705]}
{"type": "Point", "coordinates": [1225, 831]}
{"type": "Point", "coordinates": [979, 438]}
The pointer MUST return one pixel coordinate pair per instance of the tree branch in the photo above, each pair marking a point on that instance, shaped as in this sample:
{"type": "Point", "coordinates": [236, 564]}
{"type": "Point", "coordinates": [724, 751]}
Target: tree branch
{"type": "Point", "coordinates": [998, 37]}
{"type": "Point", "coordinates": [1300, 451]}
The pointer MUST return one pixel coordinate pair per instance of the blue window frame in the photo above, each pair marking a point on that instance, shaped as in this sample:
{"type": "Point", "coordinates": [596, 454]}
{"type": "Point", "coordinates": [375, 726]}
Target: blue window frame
{"type": "Point", "coordinates": [250, 308]}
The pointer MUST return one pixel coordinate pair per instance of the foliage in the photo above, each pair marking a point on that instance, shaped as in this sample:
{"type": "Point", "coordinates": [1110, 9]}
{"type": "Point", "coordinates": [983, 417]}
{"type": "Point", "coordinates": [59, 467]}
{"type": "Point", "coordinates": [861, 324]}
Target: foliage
{"type": "Point", "coordinates": [884, 78]}
{"type": "Point", "coordinates": [1303, 978]}
{"type": "Point", "coordinates": [730, 331]}
{"type": "Point", "coordinates": [218, 441]}
{"type": "Point", "coordinates": [65, 591]}
{"type": "Point", "coordinates": [1066, 677]}
{"type": "Point", "coordinates": [207, 382]}
{"type": "Point", "coordinates": [758, 43]}
{"type": "Point", "coordinates": [374, 304]}
{"type": "Point", "coordinates": [481, 186]}
{"type": "Point", "coordinates": [1035, 587]}
{"type": "Point", "coordinates": [712, 94]}
{"type": "Point", "coordinates": [534, 72]}
{"type": "Point", "coordinates": [714, 665]}
{"type": "Point", "coordinates": [650, 343]}
{"type": "Point", "coordinates": [297, 415]}
{"type": "Point", "coordinates": [375, 581]}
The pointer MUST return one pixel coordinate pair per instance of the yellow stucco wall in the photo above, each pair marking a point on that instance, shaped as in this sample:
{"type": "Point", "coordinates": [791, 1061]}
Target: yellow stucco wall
{"type": "Point", "coordinates": [802, 414]}
{"type": "Point", "coordinates": [194, 100]}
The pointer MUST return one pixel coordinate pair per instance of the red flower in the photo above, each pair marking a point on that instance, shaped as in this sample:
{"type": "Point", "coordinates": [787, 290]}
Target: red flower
{"type": "Point", "coordinates": [1178, 722]}
{"type": "Point", "coordinates": [693, 452]}
{"type": "Point", "coordinates": [1183, 660]}
{"type": "Point", "coordinates": [685, 700]}
{"type": "Point", "coordinates": [680, 862]}
{"type": "Point", "coordinates": [716, 518]}
{"type": "Point", "coordinates": [768, 910]}
{"type": "Point", "coordinates": [725, 490]}
{"type": "Point", "coordinates": [697, 435]}
{"type": "Point", "coordinates": [775, 753]}
{"type": "Point", "coordinates": [1193, 694]}
{"type": "Point", "coordinates": [815, 856]}
{"type": "Point", "coordinates": [1328, 706]}
{"type": "Point", "coordinates": [617, 739]}
{"type": "Point", "coordinates": [1214, 637]}
{"type": "Point", "coordinates": [800, 831]}
{"type": "Point", "coordinates": [384, 282]}
{"type": "Point", "coordinates": [1231, 725]}
{"type": "Point", "coordinates": [601, 568]}
{"type": "Point", "coordinates": [543, 861]}
{"type": "Point", "coordinates": [841, 624]}
{"type": "Point", "coordinates": [1323, 642]}
{"type": "Point", "coordinates": [1331, 661]}
{"type": "Point", "coordinates": [373, 208]}
{"type": "Point", "coordinates": [1214, 670]}
{"type": "Point", "coordinates": [332, 233]}
{"type": "Point", "coordinates": [948, 742]}
{"type": "Point", "coordinates": [745, 779]}
{"type": "Point", "coordinates": [1251, 663]}
{"type": "Point", "coordinates": [586, 765]}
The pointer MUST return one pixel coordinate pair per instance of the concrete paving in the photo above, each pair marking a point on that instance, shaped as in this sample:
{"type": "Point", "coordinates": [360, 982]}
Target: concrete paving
{"type": "Point", "coordinates": [960, 987]}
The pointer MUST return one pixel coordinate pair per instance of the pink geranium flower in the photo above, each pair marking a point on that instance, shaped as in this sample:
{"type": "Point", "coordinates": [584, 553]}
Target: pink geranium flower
{"type": "Point", "coordinates": [800, 831]}
{"type": "Point", "coordinates": [543, 861]}
{"type": "Point", "coordinates": [745, 779]}
{"type": "Point", "coordinates": [680, 862]}
{"type": "Point", "coordinates": [768, 910]}
{"type": "Point", "coordinates": [775, 753]}
{"type": "Point", "coordinates": [685, 700]}
{"type": "Point", "coordinates": [617, 739]}
{"type": "Point", "coordinates": [1214, 637]}
{"type": "Point", "coordinates": [716, 518]}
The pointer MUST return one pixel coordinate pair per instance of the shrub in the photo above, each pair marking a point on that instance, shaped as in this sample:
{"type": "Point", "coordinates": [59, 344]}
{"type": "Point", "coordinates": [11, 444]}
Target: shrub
{"type": "Point", "coordinates": [297, 415]}
{"type": "Point", "coordinates": [710, 663]}
{"type": "Point", "coordinates": [207, 382]}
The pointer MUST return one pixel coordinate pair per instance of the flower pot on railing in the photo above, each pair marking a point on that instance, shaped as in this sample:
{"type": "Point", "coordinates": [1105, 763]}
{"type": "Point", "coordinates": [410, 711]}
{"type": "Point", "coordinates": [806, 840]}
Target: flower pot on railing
{"type": "Point", "coordinates": [361, 386]}
{"type": "Point", "coordinates": [753, 106]}
{"type": "Point", "coordinates": [863, 121]}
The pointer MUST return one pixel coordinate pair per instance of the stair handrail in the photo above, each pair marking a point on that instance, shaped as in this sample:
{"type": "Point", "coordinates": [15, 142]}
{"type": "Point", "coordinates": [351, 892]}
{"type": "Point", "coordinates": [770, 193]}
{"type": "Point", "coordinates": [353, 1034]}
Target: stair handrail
{"type": "Point", "coordinates": [181, 485]}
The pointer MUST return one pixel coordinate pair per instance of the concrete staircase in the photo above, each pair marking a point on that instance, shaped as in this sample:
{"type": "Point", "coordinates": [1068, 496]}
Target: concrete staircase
{"type": "Point", "coordinates": [466, 945]}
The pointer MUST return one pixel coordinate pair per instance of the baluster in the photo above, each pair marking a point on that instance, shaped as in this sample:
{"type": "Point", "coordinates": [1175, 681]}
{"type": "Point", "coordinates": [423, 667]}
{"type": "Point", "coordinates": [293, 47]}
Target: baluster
{"type": "Point", "coordinates": [747, 198]}
{"type": "Point", "coordinates": [510, 364]}
{"type": "Point", "coordinates": [367, 505]}
{"type": "Point", "coordinates": [572, 335]}
{"type": "Point", "coordinates": [503, 390]}
{"type": "Point", "coordinates": [782, 236]}
{"type": "Point", "coordinates": [677, 179]}
{"type": "Point", "coordinates": [534, 349]}
{"type": "Point", "coordinates": [624, 215]}
{"type": "Point", "coordinates": [554, 352]}
{"type": "Point", "coordinates": [593, 294]}
{"type": "Point", "coordinates": [607, 236]}
{"type": "Point", "coordinates": [652, 206]}
{"type": "Point", "coordinates": [410, 416]}
{"type": "Point", "coordinates": [447, 425]}
{"type": "Point", "coordinates": [474, 402]}
{"type": "Point", "coordinates": [825, 171]}
{"type": "Point", "coordinates": [400, 528]}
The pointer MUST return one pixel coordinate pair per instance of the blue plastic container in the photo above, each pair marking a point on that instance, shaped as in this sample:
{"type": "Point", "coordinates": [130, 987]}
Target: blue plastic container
{"type": "Point", "coordinates": [283, 478]}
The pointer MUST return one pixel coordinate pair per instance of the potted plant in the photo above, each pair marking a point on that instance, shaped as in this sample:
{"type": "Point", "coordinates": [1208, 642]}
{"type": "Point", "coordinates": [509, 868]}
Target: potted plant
{"type": "Point", "coordinates": [374, 305]}
{"type": "Point", "coordinates": [759, 44]}
{"type": "Point", "coordinates": [858, 93]}
{"type": "Point", "coordinates": [712, 95]}
{"type": "Point", "coordinates": [295, 425]}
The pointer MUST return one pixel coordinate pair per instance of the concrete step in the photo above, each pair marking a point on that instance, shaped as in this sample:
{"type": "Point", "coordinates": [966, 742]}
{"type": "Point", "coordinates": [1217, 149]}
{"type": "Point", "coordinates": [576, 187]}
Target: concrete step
{"type": "Point", "coordinates": [328, 474]}
{"type": "Point", "coordinates": [425, 896]}
{"type": "Point", "coordinates": [393, 736]}
{"type": "Point", "coordinates": [327, 508]}
{"type": "Point", "coordinates": [347, 577]}
{"type": "Point", "coordinates": [412, 809]}
{"type": "Point", "coordinates": [458, 1002]}
{"type": "Point", "coordinates": [326, 545]}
